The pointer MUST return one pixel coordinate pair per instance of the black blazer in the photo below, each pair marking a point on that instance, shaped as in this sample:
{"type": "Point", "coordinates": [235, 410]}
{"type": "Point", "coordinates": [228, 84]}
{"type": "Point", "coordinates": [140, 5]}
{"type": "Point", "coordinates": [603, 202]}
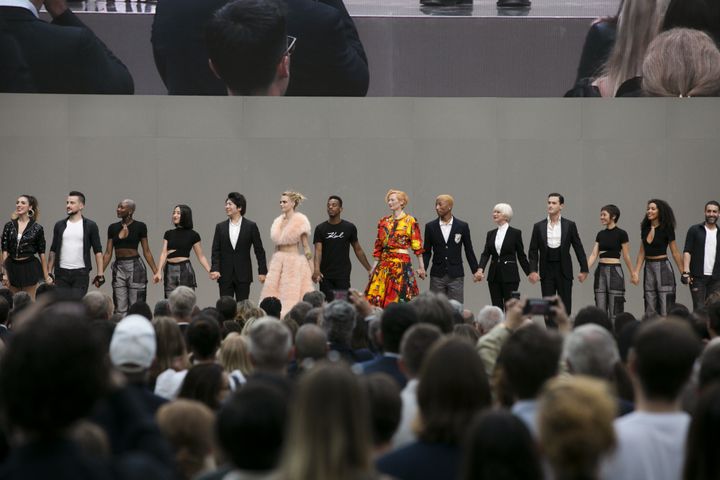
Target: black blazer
{"type": "Point", "coordinates": [447, 257]}
{"type": "Point", "coordinates": [329, 59]}
{"type": "Point", "coordinates": [235, 263]}
{"type": "Point", "coordinates": [504, 263]}
{"type": "Point", "coordinates": [568, 236]}
{"type": "Point", "coordinates": [65, 56]}
{"type": "Point", "coordinates": [695, 246]}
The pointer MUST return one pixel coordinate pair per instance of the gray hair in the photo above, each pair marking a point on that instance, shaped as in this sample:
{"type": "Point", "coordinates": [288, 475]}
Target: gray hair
{"type": "Point", "coordinates": [338, 321]}
{"type": "Point", "coordinates": [591, 350]}
{"type": "Point", "coordinates": [489, 316]}
{"type": "Point", "coordinates": [505, 209]}
{"type": "Point", "coordinates": [310, 342]}
{"type": "Point", "coordinates": [182, 301]}
{"type": "Point", "coordinates": [270, 344]}
{"type": "Point", "coordinates": [456, 305]}
{"type": "Point", "coordinates": [99, 306]}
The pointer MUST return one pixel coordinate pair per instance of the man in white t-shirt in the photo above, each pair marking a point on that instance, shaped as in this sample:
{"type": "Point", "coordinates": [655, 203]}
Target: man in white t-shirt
{"type": "Point", "coordinates": [70, 250]}
{"type": "Point", "coordinates": [651, 441]}
{"type": "Point", "coordinates": [701, 257]}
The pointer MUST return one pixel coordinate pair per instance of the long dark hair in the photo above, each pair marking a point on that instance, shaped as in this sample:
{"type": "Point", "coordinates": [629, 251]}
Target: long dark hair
{"type": "Point", "coordinates": [666, 217]}
{"type": "Point", "coordinates": [186, 220]}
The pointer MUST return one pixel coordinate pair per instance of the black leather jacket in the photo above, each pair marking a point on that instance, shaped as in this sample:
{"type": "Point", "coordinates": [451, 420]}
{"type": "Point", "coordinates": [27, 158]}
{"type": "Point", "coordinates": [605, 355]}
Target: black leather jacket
{"type": "Point", "coordinates": [31, 243]}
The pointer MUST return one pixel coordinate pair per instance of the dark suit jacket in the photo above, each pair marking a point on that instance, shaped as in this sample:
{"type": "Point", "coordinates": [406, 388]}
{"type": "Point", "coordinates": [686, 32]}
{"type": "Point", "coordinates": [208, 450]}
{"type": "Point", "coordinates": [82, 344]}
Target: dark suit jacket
{"type": "Point", "coordinates": [329, 59]}
{"type": "Point", "coordinates": [14, 72]}
{"type": "Point", "coordinates": [447, 257]}
{"type": "Point", "coordinates": [385, 364]}
{"type": "Point", "coordinates": [504, 264]}
{"type": "Point", "coordinates": [235, 263]}
{"type": "Point", "coordinates": [695, 246]}
{"type": "Point", "coordinates": [65, 56]}
{"type": "Point", "coordinates": [568, 236]}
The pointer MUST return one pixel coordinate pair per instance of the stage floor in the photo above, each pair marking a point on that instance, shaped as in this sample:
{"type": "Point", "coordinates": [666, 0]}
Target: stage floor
{"type": "Point", "coordinates": [409, 8]}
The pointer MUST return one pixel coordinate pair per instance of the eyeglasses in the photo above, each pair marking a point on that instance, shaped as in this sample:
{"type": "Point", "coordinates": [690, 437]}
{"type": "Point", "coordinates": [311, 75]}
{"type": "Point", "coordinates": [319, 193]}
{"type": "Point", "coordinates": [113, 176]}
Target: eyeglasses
{"type": "Point", "coordinates": [290, 45]}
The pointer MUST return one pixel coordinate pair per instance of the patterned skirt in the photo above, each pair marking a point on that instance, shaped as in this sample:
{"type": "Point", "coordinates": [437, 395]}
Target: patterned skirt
{"type": "Point", "coordinates": [392, 281]}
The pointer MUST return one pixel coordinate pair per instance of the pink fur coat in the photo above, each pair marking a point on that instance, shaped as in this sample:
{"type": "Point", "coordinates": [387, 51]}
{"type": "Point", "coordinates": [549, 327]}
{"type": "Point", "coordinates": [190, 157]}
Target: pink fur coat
{"type": "Point", "coordinates": [289, 274]}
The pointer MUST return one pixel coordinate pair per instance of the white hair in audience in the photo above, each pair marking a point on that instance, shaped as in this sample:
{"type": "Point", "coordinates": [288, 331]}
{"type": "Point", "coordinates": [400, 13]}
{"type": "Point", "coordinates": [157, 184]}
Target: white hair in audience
{"type": "Point", "coordinates": [489, 316]}
{"type": "Point", "coordinates": [591, 350]}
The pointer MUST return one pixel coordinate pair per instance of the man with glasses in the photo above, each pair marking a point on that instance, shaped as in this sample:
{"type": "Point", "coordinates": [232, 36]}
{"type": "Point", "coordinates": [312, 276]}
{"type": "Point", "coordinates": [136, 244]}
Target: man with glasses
{"type": "Point", "coordinates": [249, 48]}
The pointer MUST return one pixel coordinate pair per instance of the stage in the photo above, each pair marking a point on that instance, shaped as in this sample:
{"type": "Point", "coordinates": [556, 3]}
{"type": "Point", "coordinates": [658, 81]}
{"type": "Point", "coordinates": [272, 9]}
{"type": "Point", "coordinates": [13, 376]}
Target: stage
{"type": "Point", "coordinates": [413, 50]}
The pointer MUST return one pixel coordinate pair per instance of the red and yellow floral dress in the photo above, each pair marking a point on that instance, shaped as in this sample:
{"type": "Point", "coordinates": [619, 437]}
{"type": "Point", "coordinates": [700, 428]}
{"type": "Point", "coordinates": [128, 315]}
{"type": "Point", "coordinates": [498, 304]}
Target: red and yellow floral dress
{"type": "Point", "coordinates": [393, 279]}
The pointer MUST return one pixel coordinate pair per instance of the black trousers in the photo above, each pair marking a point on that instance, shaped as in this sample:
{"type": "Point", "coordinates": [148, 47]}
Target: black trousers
{"type": "Point", "coordinates": [329, 285]}
{"type": "Point", "coordinates": [701, 288]}
{"type": "Point", "coordinates": [72, 284]}
{"type": "Point", "coordinates": [500, 292]}
{"type": "Point", "coordinates": [552, 282]}
{"type": "Point", "coordinates": [233, 288]}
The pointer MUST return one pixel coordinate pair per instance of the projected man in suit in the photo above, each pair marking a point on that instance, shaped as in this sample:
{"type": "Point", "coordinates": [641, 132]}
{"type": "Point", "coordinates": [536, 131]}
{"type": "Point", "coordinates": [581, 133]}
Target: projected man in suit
{"type": "Point", "coordinates": [550, 244]}
{"type": "Point", "coordinates": [444, 239]}
{"type": "Point", "coordinates": [231, 265]}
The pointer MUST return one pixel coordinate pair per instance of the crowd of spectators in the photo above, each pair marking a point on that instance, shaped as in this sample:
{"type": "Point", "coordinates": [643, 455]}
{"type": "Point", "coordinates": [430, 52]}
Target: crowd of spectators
{"type": "Point", "coordinates": [230, 392]}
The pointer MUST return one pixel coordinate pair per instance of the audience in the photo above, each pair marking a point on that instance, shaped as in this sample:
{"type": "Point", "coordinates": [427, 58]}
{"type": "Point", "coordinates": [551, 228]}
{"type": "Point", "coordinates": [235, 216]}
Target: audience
{"type": "Point", "coordinates": [99, 305]}
{"type": "Point", "coordinates": [172, 358]}
{"type": "Point", "coordinates": [338, 321]}
{"type": "Point", "coordinates": [162, 309]}
{"type": "Point", "coordinates": [207, 383]}
{"type": "Point", "coordinates": [315, 298]}
{"type": "Point", "coordinates": [182, 302]}
{"type": "Point", "coordinates": [434, 308]}
{"type": "Point", "coordinates": [272, 306]}
{"type": "Point", "coordinates": [310, 346]}
{"type": "Point", "coordinates": [395, 321]}
{"type": "Point", "coordinates": [385, 404]}
{"type": "Point", "coordinates": [235, 359]}
{"type": "Point", "coordinates": [63, 56]}
{"type": "Point", "coordinates": [702, 461]}
{"type": "Point", "coordinates": [227, 307]}
{"type": "Point", "coordinates": [270, 345]}
{"type": "Point", "coordinates": [141, 308]}
{"type": "Point", "coordinates": [488, 317]}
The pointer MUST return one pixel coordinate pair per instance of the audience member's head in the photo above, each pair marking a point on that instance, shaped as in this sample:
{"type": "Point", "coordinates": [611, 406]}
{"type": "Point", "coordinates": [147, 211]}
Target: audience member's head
{"type": "Point", "coordinates": [661, 359]}
{"type": "Point", "coordinates": [315, 298]}
{"type": "Point", "coordinates": [453, 388]}
{"type": "Point", "coordinates": [679, 311]}
{"type": "Point", "coordinates": [99, 305]}
{"type": "Point", "coordinates": [203, 338]}
{"type": "Point", "coordinates": [22, 300]}
{"type": "Point", "coordinates": [207, 383]}
{"type": "Point", "coordinates": [310, 344]}
{"type": "Point", "coordinates": [466, 332]}
{"type": "Point", "coordinates": [395, 321]}
{"type": "Point", "coordinates": [45, 289]}
{"type": "Point", "coordinates": [182, 301]}
{"type": "Point", "coordinates": [299, 311]}
{"type": "Point", "coordinates": [133, 345]}
{"type": "Point", "coordinates": [575, 421]}
{"type": "Point", "coordinates": [270, 345]}
{"type": "Point", "coordinates": [682, 63]}
{"type": "Point", "coordinates": [52, 372]}
{"type": "Point", "coordinates": [591, 350]}
{"type": "Point", "coordinates": [383, 395]}
{"type": "Point", "coordinates": [235, 354]}
{"type": "Point", "coordinates": [434, 308]}
{"type": "Point", "coordinates": [227, 307]}
{"type": "Point", "coordinates": [249, 48]}
{"type": "Point", "coordinates": [230, 326]}
{"type": "Point", "coordinates": [171, 350]}
{"type": "Point", "coordinates": [244, 308]}
{"type": "Point", "coordinates": [251, 426]}
{"type": "Point", "coordinates": [622, 319]}
{"type": "Point", "coordinates": [291, 325]}
{"type": "Point", "coordinates": [713, 325]}
{"type": "Point", "coordinates": [162, 309]}
{"type": "Point", "coordinates": [7, 295]}
{"type": "Point", "coordinates": [528, 359]}
{"type": "Point", "coordinates": [338, 319]}
{"type": "Point", "coordinates": [188, 426]}
{"type": "Point", "coordinates": [313, 316]}
{"type": "Point", "coordinates": [488, 317]}
{"type": "Point", "coordinates": [625, 339]}
{"type": "Point", "coordinates": [593, 315]}
{"type": "Point", "coordinates": [499, 445]}
{"type": "Point", "coordinates": [328, 440]}
{"type": "Point", "coordinates": [272, 306]}
{"type": "Point", "coordinates": [415, 345]}
{"type": "Point", "coordinates": [702, 461]}
{"type": "Point", "coordinates": [140, 308]}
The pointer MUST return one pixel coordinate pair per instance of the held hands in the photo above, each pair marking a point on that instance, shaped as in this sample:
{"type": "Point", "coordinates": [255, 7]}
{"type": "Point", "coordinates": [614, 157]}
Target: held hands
{"type": "Point", "coordinates": [582, 276]}
{"type": "Point", "coordinates": [214, 275]}
{"type": "Point", "coordinates": [261, 278]}
{"type": "Point", "coordinates": [49, 280]}
{"type": "Point", "coordinates": [98, 281]}
{"type": "Point", "coordinates": [421, 273]}
{"type": "Point", "coordinates": [686, 279]}
{"type": "Point", "coordinates": [635, 278]}
{"type": "Point", "coordinates": [157, 278]}
{"type": "Point", "coordinates": [317, 276]}
{"type": "Point", "coordinates": [533, 277]}
{"type": "Point", "coordinates": [478, 276]}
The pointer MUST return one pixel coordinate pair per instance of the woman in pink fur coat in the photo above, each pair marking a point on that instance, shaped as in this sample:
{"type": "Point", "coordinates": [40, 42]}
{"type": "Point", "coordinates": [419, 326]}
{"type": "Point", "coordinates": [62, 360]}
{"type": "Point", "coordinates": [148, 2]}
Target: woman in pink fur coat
{"type": "Point", "coordinates": [289, 274]}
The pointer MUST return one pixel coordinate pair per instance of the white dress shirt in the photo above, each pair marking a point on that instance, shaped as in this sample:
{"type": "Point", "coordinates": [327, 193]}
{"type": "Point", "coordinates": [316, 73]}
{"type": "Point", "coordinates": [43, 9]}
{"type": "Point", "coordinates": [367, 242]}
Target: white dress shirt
{"type": "Point", "coordinates": [234, 231]}
{"type": "Point", "coordinates": [446, 227]}
{"type": "Point", "coordinates": [710, 249]}
{"type": "Point", "coordinates": [554, 233]}
{"type": "Point", "coordinates": [500, 237]}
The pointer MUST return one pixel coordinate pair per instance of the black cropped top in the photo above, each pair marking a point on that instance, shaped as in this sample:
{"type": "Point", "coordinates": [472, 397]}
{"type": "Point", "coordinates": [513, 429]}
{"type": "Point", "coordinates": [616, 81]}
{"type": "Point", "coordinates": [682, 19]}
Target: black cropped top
{"type": "Point", "coordinates": [610, 242]}
{"type": "Point", "coordinates": [31, 243]}
{"type": "Point", "coordinates": [181, 240]}
{"type": "Point", "coordinates": [136, 232]}
{"type": "Point", "coordinates": [659, 245]}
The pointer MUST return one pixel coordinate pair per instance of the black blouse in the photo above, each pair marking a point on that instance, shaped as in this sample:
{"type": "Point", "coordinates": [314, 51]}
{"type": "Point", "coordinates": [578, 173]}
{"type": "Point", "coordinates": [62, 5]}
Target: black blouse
{"type": "Point", "coordinates": [32, 241]}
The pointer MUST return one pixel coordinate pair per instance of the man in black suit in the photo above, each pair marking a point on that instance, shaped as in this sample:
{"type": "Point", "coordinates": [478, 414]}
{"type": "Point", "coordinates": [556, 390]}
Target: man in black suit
{"type": "Point", "coordinates": [444, 239]}
{"type": "Point", "coordinates": [551, 240]}
{"type": "Point", "coordinates": [63, 56]}
{"type": "Point", "coordinates": [231, 265]}
{"type": "Point", "coordinates": [701, 257]}
{"type": "Point", "coordinates": [329, 59]}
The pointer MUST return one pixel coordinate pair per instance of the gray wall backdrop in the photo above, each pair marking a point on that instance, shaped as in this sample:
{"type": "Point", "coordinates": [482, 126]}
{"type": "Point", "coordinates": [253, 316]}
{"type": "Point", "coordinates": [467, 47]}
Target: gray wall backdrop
{"type": "Point", "coordinates": [163, 151]}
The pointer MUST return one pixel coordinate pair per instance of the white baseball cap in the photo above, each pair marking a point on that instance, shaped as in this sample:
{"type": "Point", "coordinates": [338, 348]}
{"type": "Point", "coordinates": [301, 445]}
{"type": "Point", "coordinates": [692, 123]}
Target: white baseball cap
{"type": "Point", "coordinates": [133, 344]}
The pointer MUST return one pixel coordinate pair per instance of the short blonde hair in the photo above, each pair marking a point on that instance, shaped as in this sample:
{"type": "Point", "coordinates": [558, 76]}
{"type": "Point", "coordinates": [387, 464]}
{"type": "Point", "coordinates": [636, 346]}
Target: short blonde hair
{"type": "Point", "coordinates": [295, 197]}
{"type": "Point", "coordinates": [446, 198]}
{"type": "Point", "coordinates": [505, 209]}
{"type": "Point", "coordinates": [402, 196]}
{"type": "Point", "coordinates": [235, 354]}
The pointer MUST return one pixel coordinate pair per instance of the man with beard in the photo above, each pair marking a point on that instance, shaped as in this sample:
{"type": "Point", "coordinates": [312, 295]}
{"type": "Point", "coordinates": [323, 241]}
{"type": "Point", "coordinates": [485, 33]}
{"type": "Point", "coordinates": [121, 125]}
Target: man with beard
{"type": "Point", "coordinates": [700, 258]}
{"type": "Point", "coordinates": [70, 250]}
{"type": "Point", "coordinates": [332, 241]}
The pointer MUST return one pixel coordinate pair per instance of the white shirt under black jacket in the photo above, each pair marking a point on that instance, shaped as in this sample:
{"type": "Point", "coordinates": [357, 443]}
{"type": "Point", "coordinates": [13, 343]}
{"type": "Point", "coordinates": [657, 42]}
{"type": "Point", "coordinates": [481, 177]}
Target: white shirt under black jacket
{"type": "Point", "coordinates": [554, 233]}
{"type": "Point", "coordinates": [71, 252]}
{"type": "Point", "coordinates": [710, 249]}
{"type": "Point", "coordinates": [500, 236]}
{"type": "Point", "coordinates": [445, 228]}
{"type": "Point", "coordinates": [234, 231]}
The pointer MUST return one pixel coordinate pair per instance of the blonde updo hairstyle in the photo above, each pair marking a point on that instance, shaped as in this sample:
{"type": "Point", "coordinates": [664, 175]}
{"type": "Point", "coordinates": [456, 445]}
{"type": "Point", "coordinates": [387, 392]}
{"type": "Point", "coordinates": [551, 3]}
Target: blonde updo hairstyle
{"type": "Point", "coordinates": [402, 196]}
{"type": "Point", "coordinates": [295, 197]}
